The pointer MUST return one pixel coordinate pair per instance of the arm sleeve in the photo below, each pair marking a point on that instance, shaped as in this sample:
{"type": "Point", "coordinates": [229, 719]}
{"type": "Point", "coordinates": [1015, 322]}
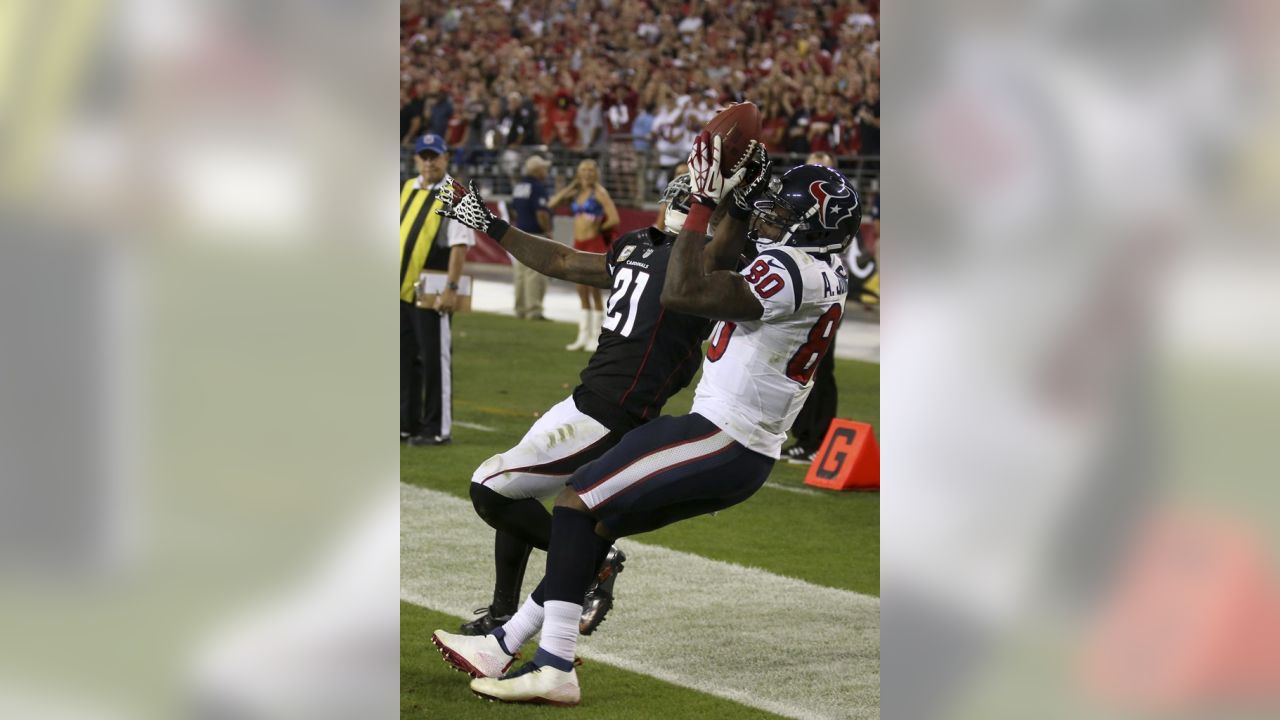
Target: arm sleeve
{"type": "Point", "coordinates": [779, 287]}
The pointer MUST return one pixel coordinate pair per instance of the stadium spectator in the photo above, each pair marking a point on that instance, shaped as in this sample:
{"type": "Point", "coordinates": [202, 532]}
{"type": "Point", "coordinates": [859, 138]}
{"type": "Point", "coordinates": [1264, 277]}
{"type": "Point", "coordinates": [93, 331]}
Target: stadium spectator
{"type": "Point", "coordinates": [440, 109]}
{"type": "Point", "coordinates": [844, 133]}
{"type": "Point", "coordinates": [520, 120]}
{"type": "Point", "coordinates": [773, 126]}
{"type": "Point", "coordinates": [560, 125]}
{"type": "Point", "coordinates": [590, 120]}
{"type": "Point", "coordinates": [811, 66]}
{"type": "Point", "coordinates": [456, 130]}
{"type": "Point", "coordinates": [410, 117]}
{"type": "Point", "coordinates": [642, 129]}
{"type": "Point", "coordinates": [529, 205]}
{"type": "Point", "coordinates": [495, 131]}
{"type": "Point", "coordinates": [619, 118]}
{"type": "Point", "coordinates": [477, 124]}
{"type": "Point", "coordinates": [801, 116]}
{"type": "Point", "coordinates": [593, 213]}
{"type": "Point", "coordinates": [820, 127]}
{"type": "Point", "coordinates": [869, 120]}
{"type": "Point", "coordinates": [675, 129]}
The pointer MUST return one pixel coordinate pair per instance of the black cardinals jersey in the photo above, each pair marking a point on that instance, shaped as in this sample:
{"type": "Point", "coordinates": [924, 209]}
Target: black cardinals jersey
{"type": "Point", "coordinates": [646, 353]}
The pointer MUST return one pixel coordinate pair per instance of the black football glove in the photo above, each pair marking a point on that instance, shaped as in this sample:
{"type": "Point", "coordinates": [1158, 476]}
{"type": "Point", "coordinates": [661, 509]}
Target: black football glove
{"type": "Point", "coordinates": [470, 210]}
{"type": "Point", "coordinates": [759, 168]}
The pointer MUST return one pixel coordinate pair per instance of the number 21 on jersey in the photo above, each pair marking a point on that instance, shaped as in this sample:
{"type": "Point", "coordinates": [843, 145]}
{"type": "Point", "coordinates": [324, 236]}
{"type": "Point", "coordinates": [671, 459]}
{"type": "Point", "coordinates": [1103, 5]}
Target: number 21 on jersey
{"type": "Point", "coordinates": [628, 284]}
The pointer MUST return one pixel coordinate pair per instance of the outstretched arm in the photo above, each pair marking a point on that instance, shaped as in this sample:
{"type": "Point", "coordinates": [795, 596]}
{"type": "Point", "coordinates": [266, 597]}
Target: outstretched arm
{"type": "Point", "coordinates": [546, 256]}
{"type": "Point", "coordinates": [554, 259]}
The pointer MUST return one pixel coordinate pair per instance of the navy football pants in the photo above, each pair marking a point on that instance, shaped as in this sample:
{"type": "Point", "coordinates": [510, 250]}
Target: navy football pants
{"type": "Point", "coordinates": [667, 470]}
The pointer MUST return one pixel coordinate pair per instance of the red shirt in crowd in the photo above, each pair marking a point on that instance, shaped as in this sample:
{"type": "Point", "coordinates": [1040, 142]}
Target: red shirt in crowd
{"type": "Point", "coordinates": [844, 138]}
{"type": "Point", "coordinates": [774, 130]}
{"type": "Point", "coordinates": [821, 141]}
{"type": "Point", "coordinates": [457, 128]}
{"type": "Point", "coordinates": [620, 109]}
{"type": "Point", "coordinates": [561, 119]}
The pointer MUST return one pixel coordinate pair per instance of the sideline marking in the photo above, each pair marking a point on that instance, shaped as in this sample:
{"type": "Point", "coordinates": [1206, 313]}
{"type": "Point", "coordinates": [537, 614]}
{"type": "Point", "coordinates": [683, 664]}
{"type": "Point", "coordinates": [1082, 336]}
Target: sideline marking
{"type": "Point", "coordinates": [802, 491]}
{"type": "Point", "coordinates": [775, 643]}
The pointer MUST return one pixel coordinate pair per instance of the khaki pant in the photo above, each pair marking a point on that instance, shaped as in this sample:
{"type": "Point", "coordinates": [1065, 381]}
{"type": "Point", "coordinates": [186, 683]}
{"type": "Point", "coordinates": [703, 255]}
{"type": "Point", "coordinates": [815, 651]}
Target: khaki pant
{"type": "Point", "coordinates": [530, 287]}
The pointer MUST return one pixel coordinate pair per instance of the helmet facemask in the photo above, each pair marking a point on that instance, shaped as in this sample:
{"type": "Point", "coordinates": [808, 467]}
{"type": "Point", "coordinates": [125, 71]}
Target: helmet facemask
{"type": "Point", "coordinates": [677, 197]}
{"type": "Point", "coordinates": [773, 222]}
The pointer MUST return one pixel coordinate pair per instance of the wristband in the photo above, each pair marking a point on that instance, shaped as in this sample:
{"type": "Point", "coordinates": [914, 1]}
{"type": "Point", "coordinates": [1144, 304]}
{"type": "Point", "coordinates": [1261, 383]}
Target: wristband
{"type": "Point", "coordinates": [452, 286]}
{"type": "Point", "coordinates": [497, 228]}
{"type": "Point", "coordinates": [698, 219]}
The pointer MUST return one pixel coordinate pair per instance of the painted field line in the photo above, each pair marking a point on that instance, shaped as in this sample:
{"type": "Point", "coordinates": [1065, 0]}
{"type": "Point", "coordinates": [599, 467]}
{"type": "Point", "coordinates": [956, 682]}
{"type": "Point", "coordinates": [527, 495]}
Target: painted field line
{"type": "Point", "coordinates": [798, 490]}
{"type": "Point", "coordinates": [474, 426]}
{"type": "Point", "coordinates": [776, 643]}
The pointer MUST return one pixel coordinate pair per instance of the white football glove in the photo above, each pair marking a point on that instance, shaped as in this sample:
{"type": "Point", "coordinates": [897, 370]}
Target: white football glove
{"type": "Point", "coordinates": [470, 210]}
{"type": "Point", "coordinates": [709, 185]}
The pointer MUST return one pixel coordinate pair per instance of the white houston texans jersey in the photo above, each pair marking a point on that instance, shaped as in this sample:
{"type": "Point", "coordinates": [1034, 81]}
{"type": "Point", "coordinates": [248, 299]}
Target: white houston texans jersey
{"type": "Point", "coordinates": [757, 374]}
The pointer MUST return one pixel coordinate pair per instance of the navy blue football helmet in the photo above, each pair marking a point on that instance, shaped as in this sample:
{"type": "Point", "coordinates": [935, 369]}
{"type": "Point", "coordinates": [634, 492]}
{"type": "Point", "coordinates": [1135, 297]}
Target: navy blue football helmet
{"type": "Point", "coordinates": [813, 208]}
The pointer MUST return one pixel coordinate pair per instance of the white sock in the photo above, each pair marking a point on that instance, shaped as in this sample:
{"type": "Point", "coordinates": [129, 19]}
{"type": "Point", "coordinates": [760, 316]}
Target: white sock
{"type": "Point", "coordinates": [522, 625]}
{"type": "Point", "coordinates": [560, 628]}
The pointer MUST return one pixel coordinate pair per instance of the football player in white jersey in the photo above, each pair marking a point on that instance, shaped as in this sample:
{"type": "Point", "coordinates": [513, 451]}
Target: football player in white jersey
{"type": "Point", "coordinates": [776, 318]}
{"type": "Point", "coordinates": [646, 355]}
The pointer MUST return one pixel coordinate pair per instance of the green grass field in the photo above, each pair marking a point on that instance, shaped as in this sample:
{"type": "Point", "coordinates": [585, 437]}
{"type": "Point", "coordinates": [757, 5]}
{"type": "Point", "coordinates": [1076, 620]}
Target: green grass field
{"type": "Point", "coordinates": [507, 371]}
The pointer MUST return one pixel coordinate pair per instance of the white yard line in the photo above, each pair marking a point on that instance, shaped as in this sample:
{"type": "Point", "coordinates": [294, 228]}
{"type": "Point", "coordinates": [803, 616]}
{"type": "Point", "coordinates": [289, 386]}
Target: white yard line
{"type": "Point", "coordinates": [474, 426]}
{"type": "Point", "coordinates": [744, 634]}
{"type": "Point", "coordinates": [797, 490]}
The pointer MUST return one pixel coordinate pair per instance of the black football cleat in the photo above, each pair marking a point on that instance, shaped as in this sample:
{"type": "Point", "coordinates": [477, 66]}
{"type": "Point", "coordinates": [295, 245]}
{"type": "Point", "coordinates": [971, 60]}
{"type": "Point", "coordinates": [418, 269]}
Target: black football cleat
{"type": "Point", "coordinates": [797, 454]}
{"type": "Point", "coordinates": [599, 598]}
{"type": "Point", "coordinates": [486, 623]}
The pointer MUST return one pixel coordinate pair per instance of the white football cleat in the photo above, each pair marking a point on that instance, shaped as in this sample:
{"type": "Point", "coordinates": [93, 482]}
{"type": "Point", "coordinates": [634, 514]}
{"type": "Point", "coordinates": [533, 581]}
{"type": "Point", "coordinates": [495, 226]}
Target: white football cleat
{"type": "Point", "coordinates": [479, 656]}
{"type": "Point", "coordinates": [542, 685]}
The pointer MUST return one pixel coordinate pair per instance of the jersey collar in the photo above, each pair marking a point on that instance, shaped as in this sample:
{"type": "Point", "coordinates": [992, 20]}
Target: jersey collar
{"type": "Point", "coordinates": [418, 184]}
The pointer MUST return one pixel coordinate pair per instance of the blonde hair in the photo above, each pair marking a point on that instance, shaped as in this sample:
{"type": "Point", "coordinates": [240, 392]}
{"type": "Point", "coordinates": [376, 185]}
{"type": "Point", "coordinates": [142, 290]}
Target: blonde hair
{"type": "Point", "coordinates": [534, 162]}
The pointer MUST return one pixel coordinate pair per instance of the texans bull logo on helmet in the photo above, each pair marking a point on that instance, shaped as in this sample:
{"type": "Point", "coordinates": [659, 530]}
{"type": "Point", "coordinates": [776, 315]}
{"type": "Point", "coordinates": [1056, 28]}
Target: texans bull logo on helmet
{"type": "Point", "coordinates": [816, 208]}
{"type": "Point", "coordinates": [828, 214]}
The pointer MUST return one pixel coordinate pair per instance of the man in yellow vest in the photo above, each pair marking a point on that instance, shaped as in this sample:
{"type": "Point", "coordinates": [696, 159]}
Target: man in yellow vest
{"type": "Point", "coordinates": [428, 241]}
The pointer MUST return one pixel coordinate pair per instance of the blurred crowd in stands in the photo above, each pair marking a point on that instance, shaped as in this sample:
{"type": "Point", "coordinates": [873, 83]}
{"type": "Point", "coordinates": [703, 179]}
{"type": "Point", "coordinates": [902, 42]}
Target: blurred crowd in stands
{"type": "Point", "coordinates": [629, 78]}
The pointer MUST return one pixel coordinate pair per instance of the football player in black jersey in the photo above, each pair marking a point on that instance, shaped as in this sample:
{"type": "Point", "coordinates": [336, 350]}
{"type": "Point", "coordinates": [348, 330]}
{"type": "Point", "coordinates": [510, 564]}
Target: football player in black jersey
{"type": "Point", "coordinates": [776, 318]}
{"type": "Point", "coordinates": [646, 354]}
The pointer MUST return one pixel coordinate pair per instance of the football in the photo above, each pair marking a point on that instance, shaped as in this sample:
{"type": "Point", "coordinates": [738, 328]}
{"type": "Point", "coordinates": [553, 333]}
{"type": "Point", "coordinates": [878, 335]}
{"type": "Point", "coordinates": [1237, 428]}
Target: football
{"type": "Point", "coordinates": [737, 125]}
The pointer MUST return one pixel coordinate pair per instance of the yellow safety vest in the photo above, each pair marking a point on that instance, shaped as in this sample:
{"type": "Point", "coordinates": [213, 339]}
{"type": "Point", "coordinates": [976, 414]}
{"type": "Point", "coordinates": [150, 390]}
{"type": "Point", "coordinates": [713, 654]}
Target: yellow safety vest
{"type": "Point", "coordinates": [419, 224]}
